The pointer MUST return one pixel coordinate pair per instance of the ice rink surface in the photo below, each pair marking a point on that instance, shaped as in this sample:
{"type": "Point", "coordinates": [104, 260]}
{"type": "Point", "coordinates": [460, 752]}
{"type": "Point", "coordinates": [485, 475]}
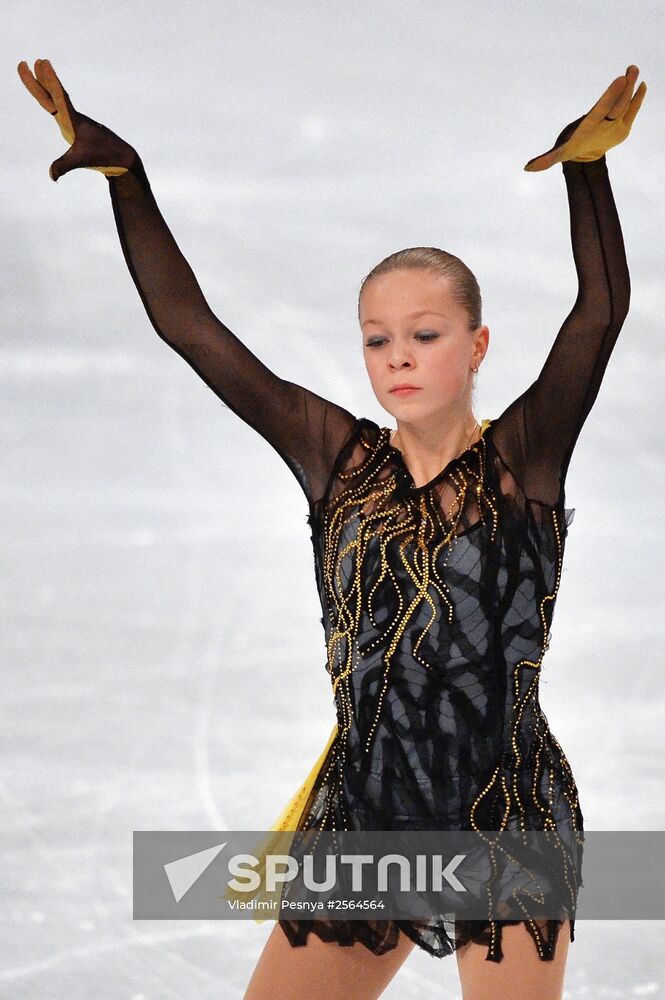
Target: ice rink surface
{"type": "Point", "coordinates": [162, 657]}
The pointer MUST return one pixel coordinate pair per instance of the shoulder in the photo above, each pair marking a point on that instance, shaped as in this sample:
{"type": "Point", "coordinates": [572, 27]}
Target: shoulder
{"type": "Point", "coordinates": [356, 457]}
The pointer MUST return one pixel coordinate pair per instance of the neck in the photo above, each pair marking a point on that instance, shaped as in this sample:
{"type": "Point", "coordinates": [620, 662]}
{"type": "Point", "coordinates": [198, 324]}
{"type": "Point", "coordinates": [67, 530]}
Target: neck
{"type": "Point", "coordinates": [427, 450]}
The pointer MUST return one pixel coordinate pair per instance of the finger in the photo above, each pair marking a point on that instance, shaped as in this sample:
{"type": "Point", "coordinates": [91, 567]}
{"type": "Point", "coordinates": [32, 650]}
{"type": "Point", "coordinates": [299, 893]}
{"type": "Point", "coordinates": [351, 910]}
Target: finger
{"type": "Point", "coordinates": [39, 73]}
{"type": "Point", "coordinates": [533, 166]}
{"type": "Point", "coordinates": [619, 109]}
{"type": "Point", "coordinates": [68, 161]}
{"type": "Point", "coordinates": [49, 80]}
{"type": "Point", "coordinates": [608, 99]}
{"type": "Point", "coordinates": [35, 87]}
{"type": "Point", "coordinates": [544, 161]}
{"type": "Point", "coordinates": [632, 73]}
{"type": "Point", "coordinates": [635, 104]}
{"type": "Point", "coordinates": [64, 108]}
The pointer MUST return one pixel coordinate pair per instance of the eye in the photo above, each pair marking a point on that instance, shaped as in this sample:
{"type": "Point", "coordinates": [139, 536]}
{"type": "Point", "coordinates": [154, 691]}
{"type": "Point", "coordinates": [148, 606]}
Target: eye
{"type": "Point", "coordinates": [425, 336]}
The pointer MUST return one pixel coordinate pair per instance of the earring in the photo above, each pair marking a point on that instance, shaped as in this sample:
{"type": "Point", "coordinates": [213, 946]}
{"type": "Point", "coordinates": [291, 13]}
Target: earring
{"type": "Point", "coordinates": [475, 369]}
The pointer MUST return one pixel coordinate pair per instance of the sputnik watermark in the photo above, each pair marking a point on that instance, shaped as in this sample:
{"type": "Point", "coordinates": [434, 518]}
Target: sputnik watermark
{"type": "Point", "coordinates": [505, 874]}
{"type": "Point", "coordinates": [247, 879]}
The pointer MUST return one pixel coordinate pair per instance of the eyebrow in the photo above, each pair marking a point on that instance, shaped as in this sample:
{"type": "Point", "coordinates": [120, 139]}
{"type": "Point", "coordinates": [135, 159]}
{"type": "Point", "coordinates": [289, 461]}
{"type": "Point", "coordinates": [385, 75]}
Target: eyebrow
{"type": "Point", "coordinates": [415, 315]}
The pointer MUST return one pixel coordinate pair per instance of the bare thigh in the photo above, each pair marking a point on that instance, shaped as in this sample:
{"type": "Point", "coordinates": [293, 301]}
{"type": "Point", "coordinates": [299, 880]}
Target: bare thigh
{"type": "Point", "coordinates": [321, 970]}
{"type": "Point", "coordinates": [521, 975]}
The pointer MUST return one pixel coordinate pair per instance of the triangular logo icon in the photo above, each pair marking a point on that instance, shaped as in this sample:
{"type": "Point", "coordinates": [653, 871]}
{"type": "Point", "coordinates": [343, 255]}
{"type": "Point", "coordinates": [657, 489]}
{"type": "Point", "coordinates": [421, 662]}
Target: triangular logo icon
{"type": "Point", "coordinates": [183, 873]}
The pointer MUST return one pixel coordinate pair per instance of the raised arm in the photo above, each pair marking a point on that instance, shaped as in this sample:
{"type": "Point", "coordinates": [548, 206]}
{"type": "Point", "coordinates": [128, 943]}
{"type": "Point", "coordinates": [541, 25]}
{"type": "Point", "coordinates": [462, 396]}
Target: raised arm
{"type": "Point", "coordinates": [305, 429]}
{"type": "Point", "coordinates": [537, 433]}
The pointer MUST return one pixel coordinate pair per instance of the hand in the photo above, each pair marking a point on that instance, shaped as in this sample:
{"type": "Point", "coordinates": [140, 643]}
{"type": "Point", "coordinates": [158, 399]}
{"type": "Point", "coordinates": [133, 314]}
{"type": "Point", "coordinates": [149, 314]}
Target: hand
{"type": "Point", "coordinates": [92, 145]}
{"type": "Point", "coordinates": [606, 125]}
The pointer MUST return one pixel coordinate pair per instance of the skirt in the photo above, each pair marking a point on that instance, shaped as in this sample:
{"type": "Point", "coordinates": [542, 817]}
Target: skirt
{"type": "Point", "coordinates": [438, 937]}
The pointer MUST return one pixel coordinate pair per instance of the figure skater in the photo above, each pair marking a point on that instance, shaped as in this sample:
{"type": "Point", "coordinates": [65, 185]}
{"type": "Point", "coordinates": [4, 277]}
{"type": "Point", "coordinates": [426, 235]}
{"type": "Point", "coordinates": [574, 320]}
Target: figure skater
{"type": "Point", "coordinates": [438, 550]}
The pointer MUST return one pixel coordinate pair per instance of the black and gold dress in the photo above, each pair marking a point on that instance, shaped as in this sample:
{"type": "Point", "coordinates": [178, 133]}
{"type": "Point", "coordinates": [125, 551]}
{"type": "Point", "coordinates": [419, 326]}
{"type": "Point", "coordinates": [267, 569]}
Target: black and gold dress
{"type": "Point", "coordinates": [437, 600]}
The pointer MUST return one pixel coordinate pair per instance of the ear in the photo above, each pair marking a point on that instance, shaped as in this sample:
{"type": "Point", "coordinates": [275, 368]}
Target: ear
{"type": "Point", "coordinates": [481, 337]}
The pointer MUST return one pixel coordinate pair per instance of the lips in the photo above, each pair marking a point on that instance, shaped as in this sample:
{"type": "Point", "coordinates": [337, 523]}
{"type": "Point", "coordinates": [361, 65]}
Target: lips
{"type": "Point", "coordinates": [405, 388]}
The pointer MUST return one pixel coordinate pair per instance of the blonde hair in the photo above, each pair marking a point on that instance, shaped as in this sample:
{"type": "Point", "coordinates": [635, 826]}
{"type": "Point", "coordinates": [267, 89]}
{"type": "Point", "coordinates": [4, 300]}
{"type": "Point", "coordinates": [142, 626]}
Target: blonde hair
{"type": "Point", "coordinates": [462, 280]}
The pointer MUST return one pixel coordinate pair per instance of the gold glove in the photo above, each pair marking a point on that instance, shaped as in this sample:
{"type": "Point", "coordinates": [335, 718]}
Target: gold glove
{"type": "Point", "coordinates": [606, 125]}
{"type": "Point", "coordinates": [92, 145]}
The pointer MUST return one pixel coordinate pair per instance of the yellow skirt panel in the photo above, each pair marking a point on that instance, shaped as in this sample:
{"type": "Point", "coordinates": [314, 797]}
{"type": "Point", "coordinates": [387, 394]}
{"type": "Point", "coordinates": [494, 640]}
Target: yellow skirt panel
{"type": "Point", "coordinates": [287, 820]}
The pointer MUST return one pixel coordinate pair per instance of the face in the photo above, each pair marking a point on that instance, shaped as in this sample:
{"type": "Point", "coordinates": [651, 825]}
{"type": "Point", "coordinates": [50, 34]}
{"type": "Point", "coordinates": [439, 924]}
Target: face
{"type": "Point", "coordinates": [414, 332]}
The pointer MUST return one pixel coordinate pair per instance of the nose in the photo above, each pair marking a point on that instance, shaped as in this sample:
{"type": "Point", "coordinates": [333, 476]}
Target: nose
{"type": "Point", "coordinates": [399, 356]}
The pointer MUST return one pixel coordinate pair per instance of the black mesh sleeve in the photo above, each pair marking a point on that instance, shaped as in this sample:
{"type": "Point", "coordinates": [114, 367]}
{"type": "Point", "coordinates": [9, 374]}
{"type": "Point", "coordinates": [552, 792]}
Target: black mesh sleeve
{"type": "Point", "coordinates": [305, 429]}
{"type": "Point", "coordinates": [536, 434]}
